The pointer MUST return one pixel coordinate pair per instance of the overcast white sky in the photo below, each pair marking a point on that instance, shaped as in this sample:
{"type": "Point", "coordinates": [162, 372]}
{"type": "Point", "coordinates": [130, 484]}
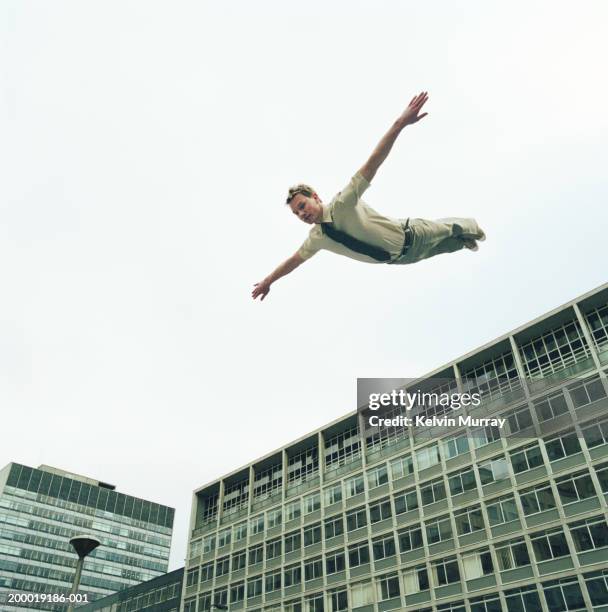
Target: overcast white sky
{"type": "Point", "coordinates": [145, 153]}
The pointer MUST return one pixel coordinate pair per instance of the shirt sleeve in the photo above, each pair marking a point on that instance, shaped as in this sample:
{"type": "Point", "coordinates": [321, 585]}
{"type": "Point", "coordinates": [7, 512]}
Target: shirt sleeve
{"type": "Point", "coordinates": [352, 193]}
{"type": "Point", "coordinates": [310, 246]}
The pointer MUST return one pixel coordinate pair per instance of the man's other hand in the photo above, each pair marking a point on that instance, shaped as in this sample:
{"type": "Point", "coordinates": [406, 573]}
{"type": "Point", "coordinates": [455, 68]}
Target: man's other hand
{"type": "Point", "coordinates": [260, 289]}
{"type": "Point", "coordinates": [412, 113]}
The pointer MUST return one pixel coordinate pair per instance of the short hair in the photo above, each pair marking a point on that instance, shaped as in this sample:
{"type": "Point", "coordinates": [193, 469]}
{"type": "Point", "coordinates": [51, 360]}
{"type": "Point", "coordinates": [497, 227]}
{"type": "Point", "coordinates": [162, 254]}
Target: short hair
{"type": "Point", "coordinates": [303, 188]}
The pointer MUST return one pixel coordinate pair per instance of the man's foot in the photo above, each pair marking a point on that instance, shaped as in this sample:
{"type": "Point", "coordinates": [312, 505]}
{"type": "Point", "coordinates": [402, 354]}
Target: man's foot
{"type": "Point", "coordinates": [471, 244]}
{"type": "Point", "coordinates": [482, 235]}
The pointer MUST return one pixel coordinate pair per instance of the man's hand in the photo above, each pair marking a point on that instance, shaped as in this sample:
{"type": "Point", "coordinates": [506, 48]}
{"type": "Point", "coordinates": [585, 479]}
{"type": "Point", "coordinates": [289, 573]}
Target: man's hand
{"type": "Point", "coordinates": [261, 289]}
{"type": "Point", "coordinates": [411, 113]}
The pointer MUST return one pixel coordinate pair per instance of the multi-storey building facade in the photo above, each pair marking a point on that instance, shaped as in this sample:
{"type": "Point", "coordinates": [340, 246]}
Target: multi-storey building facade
{"type": "Point", "coordinates": [41, 509]}
{"type": "Point", "coordinates": [512, 519]}
{"type": "Point", "coordinates": [161, 594]}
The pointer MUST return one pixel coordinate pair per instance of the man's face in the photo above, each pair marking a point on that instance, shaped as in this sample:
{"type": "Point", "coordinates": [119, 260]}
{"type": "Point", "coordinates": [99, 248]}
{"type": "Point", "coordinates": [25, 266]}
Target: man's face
{"type": "Point", "coordinates": [307, 209]}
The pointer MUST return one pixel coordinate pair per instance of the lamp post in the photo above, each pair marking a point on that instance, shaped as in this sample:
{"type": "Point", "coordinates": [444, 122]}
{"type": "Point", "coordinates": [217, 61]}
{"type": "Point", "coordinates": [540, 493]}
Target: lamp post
{"type": "Point", "coordinates": [83, 545]}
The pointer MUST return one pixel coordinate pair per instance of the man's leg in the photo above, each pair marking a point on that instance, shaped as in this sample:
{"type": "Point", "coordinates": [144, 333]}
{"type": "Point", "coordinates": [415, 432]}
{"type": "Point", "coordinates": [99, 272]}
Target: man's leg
{"type": "Point", "coordinates": [432, 238]}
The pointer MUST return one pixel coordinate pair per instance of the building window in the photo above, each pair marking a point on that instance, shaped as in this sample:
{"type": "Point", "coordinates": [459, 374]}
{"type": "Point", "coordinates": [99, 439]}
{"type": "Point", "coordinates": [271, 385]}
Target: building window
{"type": "Point", "coordinates": [493, 470]}
{"type": "Point", "coordinates": [342, 448]}
{"type": "Point", "coordinates": [220, 597]}
{"type": "Point", "coordinates": [446, 571]}
{"type": "Point", "coordinates": [240, 532]}
{"type": "Point", "coordinates": [274, 518]}
{"type": "Point", "coordinates": [452, 447]}
{"type": "Point", "coordinates": [512, 554]}
{"type": "Point", "coordinates": [493, 378]}
{"type": "Point", "coordinates": [519, 419]}
{"type": "Point", "coordinates": [237, 592]}
{"type": "Point", "coordinates": [356, 519]}
{"type": "Point", "coordinates": [224, 537]}
{"type": "Point", "coordinates": [192, 577]}
{"type": "Point", "coordinates": [406, 501]}
{"type": "Point", "coordinates": [416, 580]}
{"type": "Point", "coordinates": [587, 391]}
{"type": "Point", "coordinates": [333, 494]}
{"type": "Point", "coordinates": [312, 534]}
{"type": "Point", "coordinates": [196, 548]}
{"type": "Point", "coordinates": [362, 594]}
{"type": "Point", "coordinates": [273, 581]}
{"type": "Point", "coordinates": [468, 520]}
{"type": "Point", "coordinates": [293, 541]}
{"type": "Point", "coordinates": [268, 482]}
{"type": "Point", "coordinates": [256, 554]}
{"type": "Point", "coordinates": [477, 564]}
{"type": "Point", "coordinates": [462, 481]}
{"type": "Point", "coordinates": [335, 562]}
{"type": "Point", "coordinates": [427, 457]}
{"type": "Point", "coordinates": [554, 350]}
{"type": "Point", "coordinates": [208, 544]}
{"type": "Point", "coordinates": [236, 496]}
{"type": "Point", "coordinates": [438, 530]}
{"type": "Point", "coordinates": [354, 486]}
{"type": "Point", "coordinates": [575, 488]}
{"type": "Point", "coordinates": [550, 406]}
{"type": "Point", "coordinates": [523, 599]}
{"type": "Point", "coordinates": [293, 606]}
{"type": "Point", "coordinates": [256, 525]}
{"type": "Point", "coordinates": [293, 575]}
{"type": "Point", "coordinates": [204, 603]}
{"type": "Point", "coordinates": [312, 503]}
{"type": "Point", "coordinates": [401, 467]}
{"type": "Point", "coordinates": [313, 569]}
{"type": "Point", "coordinates": [432, 491]}
{"type": "Point", "coordinates": [334, 526]}
{"type": "Point", "coordinates": [598, 323]}
{"type": "Point", "coordinates": [526, 458]}
{"type": "Point", "coordinates": [387, 587]}
{"type": "Point", "coordinates": [602, 476]}
{"type": "Point", "coordinates": [384, 547]}
{"type": "Point", "coordinates": [550, 544]}
{"type": "Point", "coordinates": [377, 477]}
{"type": "Point", "coordinates": [239, 560]}
{"type": "Point", "coordinates": [338, 600]}
{"type": "Point", "coordinates": [273, 549]}
{"type": "Point", "coordinates": [563, 446]}
{"type": "Point", "coordinates": [483, 436]}
{"type": "Point", "coordinates": [597, 587]}
{"type": "Point", "coordinates": [564, 594]}
{"type": "Point", "coordinates": [537, 499]}
{"type": "Point", "coordinates": [293, 510]}
{"type": "Point", "coordinates": [589, 534]}
{"type": "Point", "coordinates": [314, 603]}
{"type": "Point", "coordinates": [222, 566]}
{"type": "Point", "coordinates": [190, 606]}
{"type": "Point", "coordinates": [502, 510]}
{"type": "Point", "coordinates": [596, 434]}
{"type": "Point", "coordinates": [358, 554]}
{"type": "Point", "coordinates": [487, 603]}
{"type": "Point", "coordinates": [207, 572]}
{"type": "Point", "coordinates": [380, 511]}
{"type": "Point", "coordinates": [254, 587]}
{"type": "Point", "coordinates": [303, 466]}
{"type": "Point", "coordinates": [410, 539]}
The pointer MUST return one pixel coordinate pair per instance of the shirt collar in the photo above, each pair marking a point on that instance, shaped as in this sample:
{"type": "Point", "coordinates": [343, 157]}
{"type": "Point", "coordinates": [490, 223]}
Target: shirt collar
{"type": "Point", "coordinates": [326, 217]}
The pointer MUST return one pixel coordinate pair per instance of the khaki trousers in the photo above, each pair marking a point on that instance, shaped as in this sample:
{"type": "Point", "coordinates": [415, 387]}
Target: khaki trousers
{"type": "Point", "coordinates": [430, 238]}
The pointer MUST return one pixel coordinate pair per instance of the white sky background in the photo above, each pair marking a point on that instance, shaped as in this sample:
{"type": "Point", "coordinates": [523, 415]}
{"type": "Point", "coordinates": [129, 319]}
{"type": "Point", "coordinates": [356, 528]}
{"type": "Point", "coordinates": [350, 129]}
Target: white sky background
{"type": "Point", "coordinates": [145, 153]}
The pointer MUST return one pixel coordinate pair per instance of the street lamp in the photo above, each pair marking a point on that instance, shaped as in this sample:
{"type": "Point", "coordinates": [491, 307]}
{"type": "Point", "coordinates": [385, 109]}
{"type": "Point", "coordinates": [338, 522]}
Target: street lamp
{"type": "Point", "coordinates": [83, 545]}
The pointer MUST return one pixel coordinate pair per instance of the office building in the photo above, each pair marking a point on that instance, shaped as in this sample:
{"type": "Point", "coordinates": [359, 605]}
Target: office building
{"type": "Point", "coordinates": [506, 519]}
{"type": "Point", "coordinates": [41, 509]}
{"type": "Point", "coordinates": [161, 594]}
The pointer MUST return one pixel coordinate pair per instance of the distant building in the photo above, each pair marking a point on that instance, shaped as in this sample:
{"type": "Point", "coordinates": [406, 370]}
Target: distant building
{"type": "Point", "coordinates": [161, 594]}
{"type": "Point", "coordinates": [513, 520]}
{"type": "Point", "coordinates": [41, 509]}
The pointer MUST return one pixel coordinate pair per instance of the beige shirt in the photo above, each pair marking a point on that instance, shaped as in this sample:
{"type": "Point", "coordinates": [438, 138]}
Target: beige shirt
{"type": "Point", "coordinates": [357, 219]}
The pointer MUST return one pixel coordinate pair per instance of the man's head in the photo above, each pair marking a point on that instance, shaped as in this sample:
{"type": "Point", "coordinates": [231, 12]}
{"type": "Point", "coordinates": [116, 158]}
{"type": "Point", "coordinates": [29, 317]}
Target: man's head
{"type": "Point", "coordinates": [305, 203]}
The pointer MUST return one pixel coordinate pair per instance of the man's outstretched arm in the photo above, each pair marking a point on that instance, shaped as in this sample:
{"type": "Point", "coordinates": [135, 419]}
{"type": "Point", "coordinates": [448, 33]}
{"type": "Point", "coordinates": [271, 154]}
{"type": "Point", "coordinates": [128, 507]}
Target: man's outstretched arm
{"type": "Point", "coordinates": [289, 265]}
{"type": "Point", "coordinates": [410, 115]}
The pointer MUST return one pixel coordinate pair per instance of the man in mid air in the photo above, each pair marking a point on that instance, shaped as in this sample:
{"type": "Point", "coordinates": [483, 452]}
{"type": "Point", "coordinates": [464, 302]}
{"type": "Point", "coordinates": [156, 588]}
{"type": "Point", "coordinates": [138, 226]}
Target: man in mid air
{"type": "Point", "coordinates": [347, 226]}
